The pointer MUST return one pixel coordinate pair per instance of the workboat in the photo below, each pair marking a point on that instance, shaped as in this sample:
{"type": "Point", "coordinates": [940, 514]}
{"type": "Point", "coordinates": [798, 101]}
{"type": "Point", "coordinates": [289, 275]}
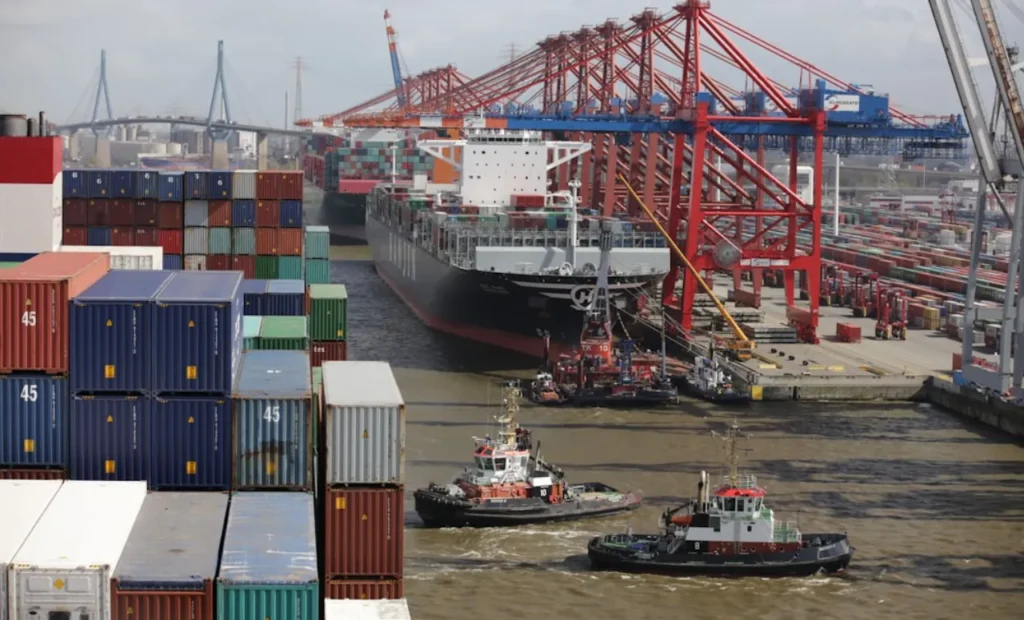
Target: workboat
{"type": "Point", "coordinates": [709, 380]}
{"type": "Point", "coordinates": [496, 257]}
{"type": "Point", "coordinates": [727, 531]}
{"type": "Point", "coordinates": [510, 484]}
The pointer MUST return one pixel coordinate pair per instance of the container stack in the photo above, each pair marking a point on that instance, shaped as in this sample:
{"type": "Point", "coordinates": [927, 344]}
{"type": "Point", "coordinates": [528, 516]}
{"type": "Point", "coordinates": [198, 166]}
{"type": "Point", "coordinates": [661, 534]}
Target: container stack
{"type": "Point", "coordinates": [35, 359]}
{"type": "Point", "coordinates": [274, 298]}
{"type": "Point", "coordinates": [207, 220]}
{"type": "Point", "coordinates": [373, 160]}
{"type": "Point", "coordinates": [278, 225]}
{"type": "Point", "coordinates": [363, 450]}
{"type": "Point", "coordinates": [112, 352]}
{"type": "Point", "coordinates": [318, 246]}
{"type": "Point", "coordinates": [328, 323]}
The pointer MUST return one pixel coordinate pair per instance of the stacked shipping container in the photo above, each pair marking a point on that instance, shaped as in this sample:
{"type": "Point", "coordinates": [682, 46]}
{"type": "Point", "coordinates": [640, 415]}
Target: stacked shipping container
{"type": "Point", "coordinates": [317, 247]}
{"type": "Point", "coordinates": [277, 226]}
{"type": "Point", "coordinates": [363, 454]}
{"type": "Point", "coordinates": [328, 323]}
{"type": "Point", "coordinates": [24, 503]}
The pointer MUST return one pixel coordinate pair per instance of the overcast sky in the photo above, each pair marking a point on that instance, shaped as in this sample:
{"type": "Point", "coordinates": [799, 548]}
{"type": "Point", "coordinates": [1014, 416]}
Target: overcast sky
{"type": "Point", "coordinates": [161, 54]}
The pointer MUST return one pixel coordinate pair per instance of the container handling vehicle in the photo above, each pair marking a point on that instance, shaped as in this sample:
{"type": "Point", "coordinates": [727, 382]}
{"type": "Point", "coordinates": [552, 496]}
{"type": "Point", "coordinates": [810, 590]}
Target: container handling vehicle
{"type": "Point", "coordinates": [510, 484]}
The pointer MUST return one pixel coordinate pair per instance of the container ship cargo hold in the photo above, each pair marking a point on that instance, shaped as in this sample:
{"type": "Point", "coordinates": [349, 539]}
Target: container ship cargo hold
{"type": "Point", "coordinates": [495, 258]}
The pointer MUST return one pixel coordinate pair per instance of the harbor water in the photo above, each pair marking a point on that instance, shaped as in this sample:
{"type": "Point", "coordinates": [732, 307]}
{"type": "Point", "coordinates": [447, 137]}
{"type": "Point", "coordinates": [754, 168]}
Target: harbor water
{"type": "Point", "coordinates": [933, 504]}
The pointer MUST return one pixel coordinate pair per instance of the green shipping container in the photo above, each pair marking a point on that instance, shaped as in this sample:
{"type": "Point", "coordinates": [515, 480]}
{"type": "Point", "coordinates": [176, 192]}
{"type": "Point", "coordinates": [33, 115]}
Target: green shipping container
{"type": "Point", "coordinates": [220, 241]}
{"type": "Point", "coordinates": [243, 240]}
{"type": "Point", "coordinates": [284, 333]}
{"type": "Point", "coordinates": [289, 267]}
{"type": "Point", "coordinates": [8, 265]}
{"type": "Point", "coordinates": [328, 311]}
{"type": "Point", "coordinates": [318, 271]}
{"type": "Point", "coordinates": [251, 332]}
{"type": "Point", "coordinates": [318, 242]}
{"type": "Point", "coordinates": [266, 267]}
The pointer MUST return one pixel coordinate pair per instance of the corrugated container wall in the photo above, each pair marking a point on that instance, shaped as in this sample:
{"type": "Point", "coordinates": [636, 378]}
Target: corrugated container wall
{"type": "Point", "coordinates": [253, 294]}
{"type": "Point", "coordinates": [285, 298]}
{"type": "Point", "coordinates": [364, 424]}
{"type": "Point", "coordinates": [147, 184]}
{"type": "Point", "coordinates": [172, 186]}
{"type": "Point", "coordinates": [251, 332]}
{"type": "Point", "coordinates": [328, 311]}
{"type": "Point", "coordinates": [111, 332]}
{"type": "Point", "coordinates": [198, 327]}
{"type": "Point", "coordinates": [30, 473]}
{"type": "Point", "coordinates": [136, 258]}
{"type": "Point", "coordinates": [74, 184]}
{"type": "Point", "coordinates": [364, 589]}
{"type": "Point", "coordinates": [364, 531]}
{"type": "Point", "coordinates": [195, 185]}
{"type": "Point", "coordinates": [273, 443]}
{"type": "Point", "coordinates": [78, 540]}
{"type": "Point", "coordinates": [197, 241]}
{"type": "Point", "coordinates": [243, 185]}
{"type": "Point", "coordinates": [170, 561]}
{"type": "Point", "coordinates": [366, 610]}
{"type": "Point", "coordinates": [24, 502]}
{"type": "Point", "coordinates": [110, 437]}
{"type": "Point", "coordinates": [197, 213]}
{"type": "Point", "coordinates": [318, 242]}
{"type": "Point", "coordinates": [218, 184]}
{"type": "Point", "coordinates": [34, 300]}
{"type": "Point", "coordinates": [268, 566]}
{"type": "Point", "coordinates": [190, 443]}
{"type": "Point", "coordinates": [33, 420]}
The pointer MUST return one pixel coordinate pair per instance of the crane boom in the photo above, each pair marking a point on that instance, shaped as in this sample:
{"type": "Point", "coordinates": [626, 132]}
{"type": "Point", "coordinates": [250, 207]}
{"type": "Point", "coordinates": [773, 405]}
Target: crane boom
{"type": "Point", "coordinates": [396, 67]}
{"type": "Point", "coordinates": [1002, 66]}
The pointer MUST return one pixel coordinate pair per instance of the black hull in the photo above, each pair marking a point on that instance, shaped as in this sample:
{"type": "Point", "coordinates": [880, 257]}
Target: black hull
{"type": "Point", "coordinates": [608, 553]}
{"type": "Point", "coordinates": [501, 309]}
{"type": "Point", "coordinates": [439, 510]}
{"type": "Point", "coordinates": [345, 216]}
{"type": "Point", "coordinates": [718, 398]}
{"type": "Point", "coordinates": [643, 398]}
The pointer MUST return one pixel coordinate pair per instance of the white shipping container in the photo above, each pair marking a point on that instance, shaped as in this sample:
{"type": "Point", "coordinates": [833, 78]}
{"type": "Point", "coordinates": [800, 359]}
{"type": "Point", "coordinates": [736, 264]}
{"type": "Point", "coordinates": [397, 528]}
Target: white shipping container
{"type": "Point", "coordinates": [31, 217]}
{"type": "Point", "coordinates": [195, 263]}
{"type": "Point", "coordinates": [22, 502]}
{"type": "Point", "coordinates": [365, 423]}
{"type": "Point", "coordinates": [65, 565]}
{"type": "Point", "coordinates": [135, 257]}
{"type": "Point", "coordinates": [357, 609]}
{"type": "Point", "coordinates": [243, 185]}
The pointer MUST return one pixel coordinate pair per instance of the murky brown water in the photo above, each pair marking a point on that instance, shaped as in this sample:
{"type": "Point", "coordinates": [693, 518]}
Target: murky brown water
{"type": "Point", "coordinates": [933, 505]}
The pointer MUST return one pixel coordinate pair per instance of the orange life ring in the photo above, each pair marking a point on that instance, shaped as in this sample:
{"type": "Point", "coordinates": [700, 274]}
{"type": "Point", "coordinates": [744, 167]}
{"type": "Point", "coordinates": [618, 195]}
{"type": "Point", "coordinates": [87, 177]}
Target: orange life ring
{"type": "Point", "coordinates": [682, 520]}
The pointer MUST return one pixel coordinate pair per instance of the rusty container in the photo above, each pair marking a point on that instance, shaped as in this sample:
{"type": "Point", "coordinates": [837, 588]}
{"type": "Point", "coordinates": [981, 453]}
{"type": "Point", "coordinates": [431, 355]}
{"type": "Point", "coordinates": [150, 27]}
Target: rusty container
{"type": "Point", "coordinates": [31, 473]}
{"type": "Point", "coordinates": [365, 589]}
{"type": "Point", "coordinates": [364, 532]}
{"type": "Point", "coordinates": [289, 241]}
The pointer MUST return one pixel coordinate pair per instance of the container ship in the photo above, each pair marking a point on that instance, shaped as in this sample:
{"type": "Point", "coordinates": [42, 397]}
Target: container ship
{"type": "Point", "coordinates": [498, 259]}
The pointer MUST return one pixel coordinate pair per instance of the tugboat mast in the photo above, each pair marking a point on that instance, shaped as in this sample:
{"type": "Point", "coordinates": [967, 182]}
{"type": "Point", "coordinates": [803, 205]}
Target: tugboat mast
{"type": "Point", "coordinates": [730, 448]}
{"type": "Point", "coordinates": [510, 398]}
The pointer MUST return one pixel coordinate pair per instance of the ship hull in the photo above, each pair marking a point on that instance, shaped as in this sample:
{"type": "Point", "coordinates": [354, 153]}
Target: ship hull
{"type": "Point", "coordinates": [635, 554]}
{"type": "Point", "coordinates": [718, 398]}
{"type": "Point", "coordinates": [510, 311]}
{"type": "Point", "coordinates": [438, 509]}
{"type": "Point", "coordinates": [345, 216]}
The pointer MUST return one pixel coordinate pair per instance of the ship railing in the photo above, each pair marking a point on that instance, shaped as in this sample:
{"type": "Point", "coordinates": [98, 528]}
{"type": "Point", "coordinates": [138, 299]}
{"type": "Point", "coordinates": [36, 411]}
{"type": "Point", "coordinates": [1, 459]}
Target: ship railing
{"type": "Point", "coordinates": [785, 532]}
{"type": "Point", "coordinates": [743, 481]}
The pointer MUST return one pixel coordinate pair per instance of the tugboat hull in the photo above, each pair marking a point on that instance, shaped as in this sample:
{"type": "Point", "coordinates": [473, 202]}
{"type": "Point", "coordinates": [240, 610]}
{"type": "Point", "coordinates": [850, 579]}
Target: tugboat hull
{"type": "Point", "coordinates": [641, 398]}
{"type": "Point", "coordinates": [718, 398]}
{"type": "Point", "coordinates": [640, 554]}
{"type": "Point", "coordinates": [439, 509]}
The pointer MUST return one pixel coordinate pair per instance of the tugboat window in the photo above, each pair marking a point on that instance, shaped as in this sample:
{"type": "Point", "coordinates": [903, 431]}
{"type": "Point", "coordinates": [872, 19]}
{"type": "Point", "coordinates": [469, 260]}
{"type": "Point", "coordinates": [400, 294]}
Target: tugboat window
{"type": "Point", "coordinates": [730, 504]}
{"type": "Point", "coordinates": [739, 505]}
{"type": "Point", "coordinates": [499, 464]}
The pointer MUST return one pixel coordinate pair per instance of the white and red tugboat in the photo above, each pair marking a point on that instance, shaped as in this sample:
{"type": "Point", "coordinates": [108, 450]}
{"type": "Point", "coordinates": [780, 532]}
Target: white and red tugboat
{"type": "Point", "coordinates": [725, 532]}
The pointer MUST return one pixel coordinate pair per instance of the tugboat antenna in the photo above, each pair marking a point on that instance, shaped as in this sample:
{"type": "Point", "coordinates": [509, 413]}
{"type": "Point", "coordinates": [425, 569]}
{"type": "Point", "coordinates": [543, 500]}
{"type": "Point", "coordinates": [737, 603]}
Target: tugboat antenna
{"type": "Point", "coordinates": [730, 448]}
{"type": "Point", "coordinates": [510, 399]}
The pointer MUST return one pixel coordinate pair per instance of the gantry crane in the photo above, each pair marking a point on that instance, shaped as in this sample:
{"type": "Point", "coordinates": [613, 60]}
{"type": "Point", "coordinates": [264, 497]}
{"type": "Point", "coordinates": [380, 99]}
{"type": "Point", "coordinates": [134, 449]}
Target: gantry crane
{"type": "Point", "coordinates": [396, 65]}
{"type": "Point", "coordinates": [995, 173]}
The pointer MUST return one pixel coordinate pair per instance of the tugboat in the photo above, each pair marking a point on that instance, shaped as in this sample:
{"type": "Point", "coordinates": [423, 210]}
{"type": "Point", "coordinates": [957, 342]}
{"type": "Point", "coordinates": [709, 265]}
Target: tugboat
{"type": "Point", "coordinates": [727, 532]}
{"type": "Point", "coordinates": [709, 380]}
{"type": "Point", "coordinates": [510, 484]}
{"type": "Point", "coordinates": [544, 390]}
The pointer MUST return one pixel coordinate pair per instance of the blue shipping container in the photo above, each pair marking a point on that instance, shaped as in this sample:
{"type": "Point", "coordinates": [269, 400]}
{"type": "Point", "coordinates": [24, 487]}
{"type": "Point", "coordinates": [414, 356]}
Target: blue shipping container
{"type": "Point", "coordinates": [33, 420]}
{"type": "Point", "coordinates": [190, 443]}
{"type": "Point", "coordinates": [273, 443]}
{"type": "Point", "coordinates": [109, 437]}
{"type": "Point", "coordinates": [173, 262]}
{"type": "Point", "coordinates": [74, 184]}
{"type": "Point", "coordinates": [254, 293]}
{"type": "Point", "coordinates": [97, 183]}
{"type": "Point", "coordinates": [198, 332]}
{"type": "Point", "coordinates": [172, 187]}
{"type": "Point", "coordinates": [243, 213]}
{"type": "Point", "coordinates": [285, 298]}
{"type": "Point", "coordinates": [122, 184]}
{"type": "Point", "coordinates": [195, 185]}
{"type": "Point", "coordinates": [147, 184]}
{"type": "Point", "coordinates": [291, 214]}
{"type": "Point", "coordinates": [268, 564]}
{"type": "Point", "coordinates": [174, 546]}
{"type": "Point", "coordinates": [98, 235]}
{"type": "Point", "coordinates": [218, 184]}
{"type": "Point", "coordinates": [111, 334]}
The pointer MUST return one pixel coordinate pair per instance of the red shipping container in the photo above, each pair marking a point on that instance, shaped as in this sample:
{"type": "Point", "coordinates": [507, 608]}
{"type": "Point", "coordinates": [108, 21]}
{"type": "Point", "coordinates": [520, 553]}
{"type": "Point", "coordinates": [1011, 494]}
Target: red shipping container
{"type": "Point", "coordinates": [122, 236]}
{"type": "Point", "coordinates": [364, 531]}
{"type": "Point", "coordinates": [146, 237]}
{"type": "Point", "coordinates": [96, 212]}
{"type": "Point", "coordinates": [145, 212]}
{"type": "Point", "coordinates": [172, 241]}
{"type": "Point", "coordinates": [161, 604]}
{"type": "Point", "coordinates": [290, 185]}
{"type": "Point", "coordinates": [289, 241]}
{"type": "Point", "coordinates": [268, 185]}
{"type": "Point", "coordinates": [121, 212]}
{"type": "Point", "coordinates": [246, 264]}
{"type": "Point", "coordinates": [321, 351]}
{"type": "Point", "coordinates": [845, 332]}
{"type": "Point", "coordinates": [34, 298]}
{"type": "Point", "coordinates": [266, 241]}
{"type": "Point", "coordinates": [218, 262]}
{"type": "Point", "coordinates": [31, 474]}
{"type": "Point", "coordinates": [76, 235]}
{"type": "Point", "coordinates": [219, 214]}
{"type": "Point", "coordinates": [170, 215]}
{"type": "Point", "coordinates": [268, 213]}
{"type": "Point", "coordinates": [76, 212]}
{"type": "Point", "coordinates": [365, 589]}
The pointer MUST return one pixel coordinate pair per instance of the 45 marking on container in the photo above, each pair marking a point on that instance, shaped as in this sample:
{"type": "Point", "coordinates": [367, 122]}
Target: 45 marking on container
{"type": "Point", "coordinates": [28, 318]}
{"type": "Point", "coordinates": [29, 393]}
{"type": "Point", "coordinates": [272, 414]}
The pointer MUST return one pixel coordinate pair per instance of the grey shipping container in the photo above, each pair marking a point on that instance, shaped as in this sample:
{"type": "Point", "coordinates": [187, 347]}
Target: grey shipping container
{"type": "Point", "coordinates": [273, 417]}
{"type": "Point", "coordinates": [243, 241]}
{"type": "Point", "coordinates": [197, 241]}
{"type": "Point", "coordinates": [23, 501]}
{"type": "Point", "coordinates": [243, 185]}
{"type": "Point", "coordinates": [169, 564]}
{"type": "Point", "coordinates": [364, 424]}
{"type": "Point", "coordinates": [268, 566]}
{"type": "Point", "coordinates": [355, 609]}
{"type": "Point", "coordinates": [197, 213]}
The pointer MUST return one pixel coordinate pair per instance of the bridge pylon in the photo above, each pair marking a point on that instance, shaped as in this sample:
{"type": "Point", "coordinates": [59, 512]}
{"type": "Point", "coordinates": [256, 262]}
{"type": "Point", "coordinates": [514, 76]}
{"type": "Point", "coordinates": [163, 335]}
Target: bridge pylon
{"type": "Point", "coordinates": [220, 94]}
{"type": "Point", "coordinates": [102, 92]}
